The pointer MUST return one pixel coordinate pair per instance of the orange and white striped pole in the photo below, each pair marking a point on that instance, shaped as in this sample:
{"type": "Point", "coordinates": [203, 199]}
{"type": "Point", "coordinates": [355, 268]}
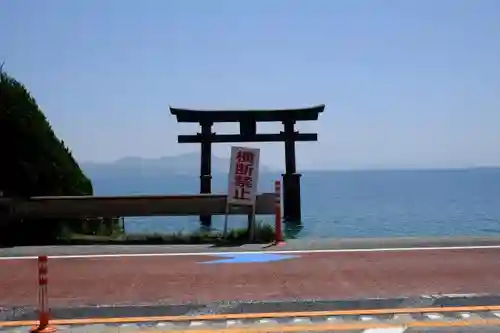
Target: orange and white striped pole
{"type": "Point", "coordinates": [43, 303]}
{"type": "Point", "coordinates": [278, 229]}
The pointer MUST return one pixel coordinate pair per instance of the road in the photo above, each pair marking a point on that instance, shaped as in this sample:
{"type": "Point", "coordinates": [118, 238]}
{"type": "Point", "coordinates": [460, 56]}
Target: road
{"type": "Point", "coordinates": [246, 277]}
{"type": "Point", "coordinates": [284, 281]}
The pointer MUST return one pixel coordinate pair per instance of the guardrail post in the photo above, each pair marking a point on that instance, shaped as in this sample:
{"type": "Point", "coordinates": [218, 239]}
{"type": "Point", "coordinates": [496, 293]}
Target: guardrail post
{"type": "Point", "coordinates": [43, 302]}
{"type": "Point", "coordinates": [278, 229]}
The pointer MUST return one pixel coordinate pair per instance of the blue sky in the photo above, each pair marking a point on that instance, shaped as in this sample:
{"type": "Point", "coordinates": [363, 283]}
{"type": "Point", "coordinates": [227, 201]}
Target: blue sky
{"type": "Point", "coordinates": [405, 83]}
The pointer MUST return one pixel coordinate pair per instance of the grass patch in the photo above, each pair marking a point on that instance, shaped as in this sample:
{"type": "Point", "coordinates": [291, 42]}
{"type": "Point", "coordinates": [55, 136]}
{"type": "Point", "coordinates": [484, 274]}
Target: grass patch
{"type": "Point", "coordinates": [264, 233]}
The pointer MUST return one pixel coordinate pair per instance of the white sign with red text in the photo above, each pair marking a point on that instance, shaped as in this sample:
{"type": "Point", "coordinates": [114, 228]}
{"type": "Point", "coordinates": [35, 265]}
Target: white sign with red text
{"type": "Point", "coordinates": [243, 176]}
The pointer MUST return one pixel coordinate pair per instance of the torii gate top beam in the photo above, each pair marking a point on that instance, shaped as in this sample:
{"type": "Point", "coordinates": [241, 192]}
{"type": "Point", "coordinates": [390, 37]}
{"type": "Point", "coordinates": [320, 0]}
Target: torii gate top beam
{"type": "Point", "coordinates": [219, 116]}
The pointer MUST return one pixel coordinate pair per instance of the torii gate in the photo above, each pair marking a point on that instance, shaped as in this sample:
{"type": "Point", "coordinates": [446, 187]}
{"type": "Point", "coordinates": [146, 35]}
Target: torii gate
{"type": "Point", "coordinates": [248, 127]}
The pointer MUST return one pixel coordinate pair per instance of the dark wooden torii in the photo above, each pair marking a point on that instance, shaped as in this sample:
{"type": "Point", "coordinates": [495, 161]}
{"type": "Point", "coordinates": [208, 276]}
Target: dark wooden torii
{"type": "Point", "coordinates": [248, 133]}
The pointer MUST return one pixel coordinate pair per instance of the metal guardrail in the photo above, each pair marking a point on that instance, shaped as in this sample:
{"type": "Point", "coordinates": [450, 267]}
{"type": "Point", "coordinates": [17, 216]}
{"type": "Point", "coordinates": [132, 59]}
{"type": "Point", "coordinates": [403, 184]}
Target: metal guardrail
{"type": "Point", "coordinates": [135, 205]}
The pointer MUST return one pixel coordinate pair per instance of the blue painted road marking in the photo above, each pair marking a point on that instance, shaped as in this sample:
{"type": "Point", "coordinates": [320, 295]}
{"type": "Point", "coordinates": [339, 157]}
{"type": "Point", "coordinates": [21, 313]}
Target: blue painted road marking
{"type": "Point", "coordinates": [248, 258]}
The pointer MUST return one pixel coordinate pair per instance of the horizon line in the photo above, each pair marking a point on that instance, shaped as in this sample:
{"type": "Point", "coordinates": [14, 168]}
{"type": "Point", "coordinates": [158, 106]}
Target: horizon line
{"type": "Point", "coordinates": [342, 169]}
{"type": "Point", "coordinates": [269, 170]}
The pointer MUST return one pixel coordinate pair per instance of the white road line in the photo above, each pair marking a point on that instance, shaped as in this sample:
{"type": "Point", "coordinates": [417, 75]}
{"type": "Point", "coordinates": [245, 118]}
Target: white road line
{"type": "Point", "coordinates": [454, 295]}
{"type": "Point", "coordinates": [301, 320]}
{"type": "Point", "coordinates": [196, 323]}
{"type": "Point", "coordinates": [434, 316]}
{"type": "Point", "coordinates": [163, 324]}
{"type": "Point", "coordinates": [233, 322]}
{"type": "Point", "coordinates": [385, 330]}
{"type": "Point", "coordinates": [187, 254]}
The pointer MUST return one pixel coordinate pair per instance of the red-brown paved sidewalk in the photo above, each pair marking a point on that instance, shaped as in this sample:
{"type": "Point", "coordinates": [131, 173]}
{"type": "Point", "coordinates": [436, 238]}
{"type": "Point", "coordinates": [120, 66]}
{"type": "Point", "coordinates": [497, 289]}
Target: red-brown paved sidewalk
{"type": "Point", "coordinates": [178, 279]}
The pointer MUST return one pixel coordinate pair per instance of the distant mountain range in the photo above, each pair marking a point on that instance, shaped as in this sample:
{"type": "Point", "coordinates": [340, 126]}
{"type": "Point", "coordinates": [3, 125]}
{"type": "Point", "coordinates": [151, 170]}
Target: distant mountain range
{"type": "Point", "coordinates": [180, 164]}
{"type": "Point", "coordinates": [189, 164]}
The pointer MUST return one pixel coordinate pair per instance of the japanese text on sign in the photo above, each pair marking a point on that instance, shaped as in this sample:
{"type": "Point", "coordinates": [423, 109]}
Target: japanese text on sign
{"type": "Point", "coordinates": [243, 175]}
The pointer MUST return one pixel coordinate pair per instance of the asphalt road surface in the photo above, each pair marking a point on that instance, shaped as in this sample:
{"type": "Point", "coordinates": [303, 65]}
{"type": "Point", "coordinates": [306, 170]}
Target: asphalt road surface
{"type": "Point", "coordinates": [304, 284]}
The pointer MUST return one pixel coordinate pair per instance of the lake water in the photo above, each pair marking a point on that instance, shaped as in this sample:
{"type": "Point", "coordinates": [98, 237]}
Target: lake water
{"type": "Point", "coordinates": [349, 203]}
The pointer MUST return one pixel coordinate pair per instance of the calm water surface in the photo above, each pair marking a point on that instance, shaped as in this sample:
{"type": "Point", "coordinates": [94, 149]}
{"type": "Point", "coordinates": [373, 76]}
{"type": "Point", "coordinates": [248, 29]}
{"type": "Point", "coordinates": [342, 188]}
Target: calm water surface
{"type": "Point", "coordinates": [350, 203]}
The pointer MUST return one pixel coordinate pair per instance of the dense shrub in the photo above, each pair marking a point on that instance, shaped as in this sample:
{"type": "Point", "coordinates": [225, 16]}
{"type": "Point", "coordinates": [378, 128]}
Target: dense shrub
{"type": "Point", "coordinates": [34, 162]}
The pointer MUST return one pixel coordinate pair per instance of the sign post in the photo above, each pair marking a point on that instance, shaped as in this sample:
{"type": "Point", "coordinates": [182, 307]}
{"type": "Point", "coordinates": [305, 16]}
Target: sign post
{"type": "Point", "coordinates": [242, 182]}
{"type": "Point", "coordinates": [43, 303]}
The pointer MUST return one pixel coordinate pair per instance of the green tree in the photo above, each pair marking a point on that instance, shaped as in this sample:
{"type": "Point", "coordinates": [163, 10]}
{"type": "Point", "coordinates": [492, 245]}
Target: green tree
{"type": "Point", "coordinates": [34, 161]}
